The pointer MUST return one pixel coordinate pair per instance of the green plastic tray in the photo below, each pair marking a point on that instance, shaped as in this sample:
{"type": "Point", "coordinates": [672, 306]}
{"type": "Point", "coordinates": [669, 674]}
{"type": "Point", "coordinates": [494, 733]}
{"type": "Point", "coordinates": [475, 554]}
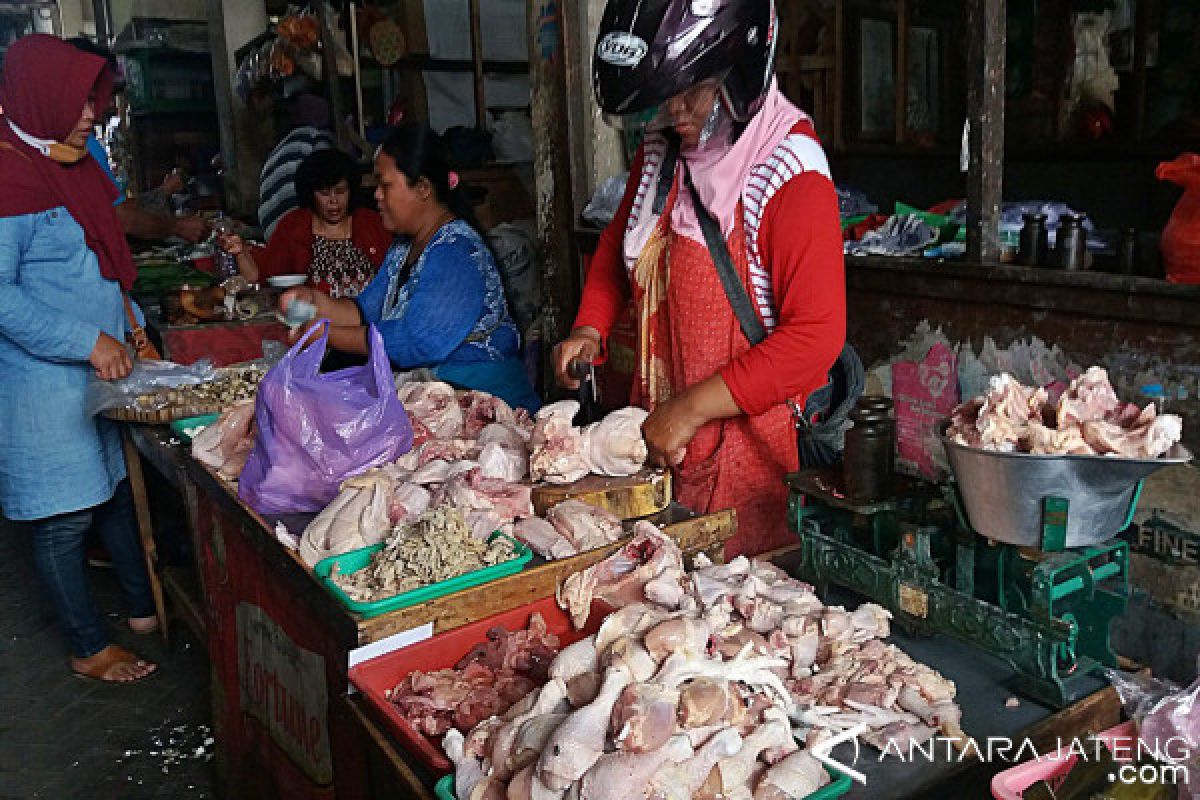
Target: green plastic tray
{"type": "Point", "coordinates": [190, 422]}
{"type": "Point", "coordinates": [349, 563]}
{"type": "Point", "coordinates": [838, 786]}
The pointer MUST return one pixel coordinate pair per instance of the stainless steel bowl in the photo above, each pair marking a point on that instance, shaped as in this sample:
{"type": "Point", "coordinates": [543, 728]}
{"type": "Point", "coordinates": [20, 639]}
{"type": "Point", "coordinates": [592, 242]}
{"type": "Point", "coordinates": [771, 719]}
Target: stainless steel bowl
{"type": "Point", "coordinates": [1003, 492]}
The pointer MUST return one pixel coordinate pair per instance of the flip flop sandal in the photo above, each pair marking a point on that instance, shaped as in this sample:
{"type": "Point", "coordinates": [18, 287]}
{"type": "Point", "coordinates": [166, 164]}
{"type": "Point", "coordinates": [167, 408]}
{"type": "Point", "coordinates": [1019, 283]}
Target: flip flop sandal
{"type": "Point", "coordinates": [116, 655]}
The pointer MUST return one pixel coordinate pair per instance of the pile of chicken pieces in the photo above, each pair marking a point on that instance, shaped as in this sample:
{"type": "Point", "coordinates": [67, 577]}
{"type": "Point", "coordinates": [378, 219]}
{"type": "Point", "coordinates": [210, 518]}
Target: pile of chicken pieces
{"type": "Point", "coordinates": [1088, 419]}
{"type": "Point", "coordinates": [495, 674]}
{"type": "Point", "coordinates": [474, 453]}
{"type": "Point", "coordinates": [226, 444]}
{"type": "Point", "coordinates": [699, 686]}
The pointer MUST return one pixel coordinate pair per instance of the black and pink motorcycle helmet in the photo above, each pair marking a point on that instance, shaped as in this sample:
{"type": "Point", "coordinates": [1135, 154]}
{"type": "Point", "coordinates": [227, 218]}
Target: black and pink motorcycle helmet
{"type": "Point", "coordinates": [650, 50]}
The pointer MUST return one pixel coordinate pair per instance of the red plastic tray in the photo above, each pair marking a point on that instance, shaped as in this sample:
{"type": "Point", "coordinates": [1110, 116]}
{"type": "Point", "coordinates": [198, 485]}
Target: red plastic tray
{"type": "Point", "coordinates": [376, 676]}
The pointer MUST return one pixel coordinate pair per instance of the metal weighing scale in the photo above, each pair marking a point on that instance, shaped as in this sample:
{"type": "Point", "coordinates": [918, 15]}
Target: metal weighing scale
{"type": "Point", "coordinates": [1018, 556]}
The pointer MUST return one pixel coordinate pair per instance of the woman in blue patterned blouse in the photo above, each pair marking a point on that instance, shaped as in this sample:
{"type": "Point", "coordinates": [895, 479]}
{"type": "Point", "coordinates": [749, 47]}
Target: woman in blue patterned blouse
{"type": "Point", "coordinates": [437, 300]}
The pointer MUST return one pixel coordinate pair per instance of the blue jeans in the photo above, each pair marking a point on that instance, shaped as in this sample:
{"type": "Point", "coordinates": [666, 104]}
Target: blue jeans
{"type": "Point", "coordinates": [58, 552]}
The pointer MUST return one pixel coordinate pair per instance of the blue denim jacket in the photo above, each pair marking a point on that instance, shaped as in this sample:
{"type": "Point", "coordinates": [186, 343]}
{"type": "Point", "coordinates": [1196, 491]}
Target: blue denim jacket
{"type": "Point", "coordinates": [53, 305]}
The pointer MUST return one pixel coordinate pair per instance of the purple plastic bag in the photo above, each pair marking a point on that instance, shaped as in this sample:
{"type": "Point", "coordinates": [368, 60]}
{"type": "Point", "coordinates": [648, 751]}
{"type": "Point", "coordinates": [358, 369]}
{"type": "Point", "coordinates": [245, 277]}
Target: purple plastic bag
{"type": "Point", "coordinates": [315, 430]}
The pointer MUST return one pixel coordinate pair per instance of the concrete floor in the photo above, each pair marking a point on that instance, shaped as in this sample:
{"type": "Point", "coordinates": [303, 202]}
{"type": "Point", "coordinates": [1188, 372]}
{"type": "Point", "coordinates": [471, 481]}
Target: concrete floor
{"type": "Point", "coordinates": [64, 737]}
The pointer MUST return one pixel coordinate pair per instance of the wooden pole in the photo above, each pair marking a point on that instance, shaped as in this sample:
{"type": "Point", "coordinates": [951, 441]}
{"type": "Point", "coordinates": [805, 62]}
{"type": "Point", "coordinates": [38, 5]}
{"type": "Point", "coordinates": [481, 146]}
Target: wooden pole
{"type": "Point", "coordinates": [358, 101]}
{"type": "Point", "coordinates": [901, 71]}
{"type": "Point", "coordinates": [141, 508]}
{"type": "Point", "coordinates": [839, 84]}
{"type": "Point", "coordinates": [332, 82]}
{"type": "Point", "coordinates": [552, 175]}
{"type": "Point", "coordinates": [477, 62]}
{"type": "Point", "coordinates": [985, 114]}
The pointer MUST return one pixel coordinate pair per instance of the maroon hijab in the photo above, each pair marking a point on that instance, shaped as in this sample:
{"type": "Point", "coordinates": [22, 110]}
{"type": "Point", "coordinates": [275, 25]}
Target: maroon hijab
{"type": "Point", "coordinates": [44, 87]}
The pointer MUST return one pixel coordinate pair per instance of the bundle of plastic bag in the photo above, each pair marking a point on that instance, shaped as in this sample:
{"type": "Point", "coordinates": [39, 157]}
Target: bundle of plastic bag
{"type": "Point", "coordinates": [148, 377]}
{"type": "Point", "coordinates": [1168, 722]}
{"type": "Point", "coordinates": [315, 430]}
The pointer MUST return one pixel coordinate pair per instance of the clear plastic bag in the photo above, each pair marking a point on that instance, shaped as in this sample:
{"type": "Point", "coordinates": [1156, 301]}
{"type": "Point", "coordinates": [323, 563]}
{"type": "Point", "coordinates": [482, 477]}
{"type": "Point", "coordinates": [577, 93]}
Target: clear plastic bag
{"type": "Point", "coordinates": [603, 206]}
{"type": "Point", "coordinates": [1168, 721]}
{"type": "Point", "coordinates": [143, 387]}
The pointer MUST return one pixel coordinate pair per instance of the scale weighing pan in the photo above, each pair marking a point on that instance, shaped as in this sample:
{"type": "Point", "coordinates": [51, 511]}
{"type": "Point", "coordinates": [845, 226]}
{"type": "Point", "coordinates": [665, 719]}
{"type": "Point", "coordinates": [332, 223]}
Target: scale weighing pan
{"type": "Point", "coordinates": [1003, 492]}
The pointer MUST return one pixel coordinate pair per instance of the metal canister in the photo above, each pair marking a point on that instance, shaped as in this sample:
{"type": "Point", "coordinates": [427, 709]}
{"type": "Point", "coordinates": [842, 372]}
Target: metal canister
{"type": "Point", "coordinates": [875, 402]}
{"type": "Point", "coordinates": [1071, 243]}
{"type": "Point", "coordinates": [1034, 241]}
{"type": "Point", "coordinates": [867, 460]}
{"type": "Point", "coordinates": [1127, 252]}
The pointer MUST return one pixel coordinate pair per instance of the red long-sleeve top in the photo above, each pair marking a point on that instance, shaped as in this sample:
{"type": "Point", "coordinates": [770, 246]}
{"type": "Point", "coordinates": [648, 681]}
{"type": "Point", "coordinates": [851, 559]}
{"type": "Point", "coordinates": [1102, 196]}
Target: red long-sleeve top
{"type": "Point", "coordinates": [289, 250]}
{"type": "Point", "coordinates": [800, 245]}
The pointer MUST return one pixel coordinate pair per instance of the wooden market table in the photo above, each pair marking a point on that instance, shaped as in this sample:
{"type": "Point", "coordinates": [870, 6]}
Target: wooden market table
{"type": "Point", "coordinates": [281, 645]}
{"type": "Point", "coordinates": [288, 725]}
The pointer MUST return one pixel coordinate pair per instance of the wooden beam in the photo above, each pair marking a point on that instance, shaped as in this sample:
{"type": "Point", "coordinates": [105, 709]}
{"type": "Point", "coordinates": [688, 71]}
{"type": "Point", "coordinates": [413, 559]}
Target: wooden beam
{"type": "Point", "coordinates": [330, 74]}
{"type": "Point", "coordinates": [901, 71]}
{"type": "Point", "coordinates": [985, 114]}
{"type": "Point", "coordinates": [839, 73]}
{"type": "Point", "coordinates": [552, 177]}
{"type": "Point", "coordinates": [477, 67]}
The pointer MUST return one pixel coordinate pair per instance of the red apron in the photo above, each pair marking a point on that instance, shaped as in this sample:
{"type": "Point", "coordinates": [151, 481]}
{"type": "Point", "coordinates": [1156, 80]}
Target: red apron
{"type": "Point", "coordinates": [687, 331]}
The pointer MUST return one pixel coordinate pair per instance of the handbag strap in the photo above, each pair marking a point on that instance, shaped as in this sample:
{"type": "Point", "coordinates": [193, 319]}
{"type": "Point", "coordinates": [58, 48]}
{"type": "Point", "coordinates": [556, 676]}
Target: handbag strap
{"type": "Point", "coordinates": [137, 333]}
{"type": "Point", "coordinates": [735, 291]}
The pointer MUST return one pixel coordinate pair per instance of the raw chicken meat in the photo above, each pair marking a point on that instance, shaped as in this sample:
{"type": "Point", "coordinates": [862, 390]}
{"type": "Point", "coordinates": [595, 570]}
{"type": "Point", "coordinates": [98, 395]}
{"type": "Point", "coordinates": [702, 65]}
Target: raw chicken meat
{"type": "Point", "coordinates": [577, 744]}
{"type": "Point", "coordinates": [624, 774]}
{"type": "Point", "coordinates": [550, 699]}
{"type": "Point", "coordinates": [434, 407]}
{"type": "Point", "coordinates": [408, 502]}
{"type": "Point", "coordinates": [447, 450]}
{"type": "Point", "coordinates": [1089, 397]}
{"type": "Point", "coordinates": [556, 446]}
{"type": "Point", "coordinates": [441, 471]}
{"type": "Point", "coordinates": [798, 775]}
{"type": "Point", "coordinates": [487, 681]}
{"type": "Point", "coordinates": [434, 702]}
{"type": "Point", "coordinates": [1088, 420]}
{"type": "Point", "coordinates": [614, 445]}
{"type": "Point", "coordinates": [656, 707]}
{"type": "Point", "coordinates": [468, 771]}
{"type": "Point", "coordinates": [585, 526]}
{"type": "Point", "coordinates": [503, 463]}
{"type": "Point", "coordinates": [621, 578]}
{"type": "Point", "coordinates": [575, 659]}
{"type": "Point", "coordinates": [359, 516]}
{"type": "Point", "coordinates": [529, 651]}
{"type": "Point", "coordinates": [643, 718]}
{"type": "Point", "coordinates": [543, 539]}
{"type": "Point", "coordinates": [473, 491]}
{"type": "Point", "coordinates": [683, 779]}
{"type": "Point", "coordinates": [506, 434]}
{"type": "Point", "coordinates": [481, 409]}
{"type": "Point", "coordinates": [226, 444]}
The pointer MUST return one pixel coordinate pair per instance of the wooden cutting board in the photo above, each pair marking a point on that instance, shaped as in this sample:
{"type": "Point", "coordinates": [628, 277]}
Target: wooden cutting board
{"type": "Point", "coordinates": [648, 492]}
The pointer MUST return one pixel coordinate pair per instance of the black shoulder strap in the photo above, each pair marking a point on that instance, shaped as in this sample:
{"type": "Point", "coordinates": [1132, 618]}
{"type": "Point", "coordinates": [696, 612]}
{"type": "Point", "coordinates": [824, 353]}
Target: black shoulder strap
{"type": "Point", "coordinates": [743, 308]}
{"type": "Point", "coordinates": [666, 175]}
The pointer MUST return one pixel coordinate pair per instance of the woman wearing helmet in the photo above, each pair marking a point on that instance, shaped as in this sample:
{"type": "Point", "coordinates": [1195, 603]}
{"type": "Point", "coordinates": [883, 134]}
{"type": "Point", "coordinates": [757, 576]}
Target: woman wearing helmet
{"type": "Point", "coordinates": [722, 147]}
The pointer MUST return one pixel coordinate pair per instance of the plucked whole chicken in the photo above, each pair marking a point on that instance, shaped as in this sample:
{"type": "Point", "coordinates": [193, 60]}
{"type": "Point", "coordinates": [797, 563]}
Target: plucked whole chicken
{"type": "Point", "coordinates": [473, 453]}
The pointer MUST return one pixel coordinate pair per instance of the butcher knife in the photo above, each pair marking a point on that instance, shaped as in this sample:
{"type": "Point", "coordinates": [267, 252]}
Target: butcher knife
{"type": "Point", "coordinates": [589, 393]}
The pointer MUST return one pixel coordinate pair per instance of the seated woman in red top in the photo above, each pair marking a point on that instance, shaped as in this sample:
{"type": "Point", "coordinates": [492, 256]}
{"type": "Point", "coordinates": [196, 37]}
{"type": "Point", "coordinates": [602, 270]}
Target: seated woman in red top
{"type": "Point", "coordinates": [338, 246]}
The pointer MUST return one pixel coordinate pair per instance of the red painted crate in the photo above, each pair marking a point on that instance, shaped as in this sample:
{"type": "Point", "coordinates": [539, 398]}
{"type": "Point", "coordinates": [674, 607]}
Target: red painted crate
{"type": "Point", "coordinates": [374, 678]}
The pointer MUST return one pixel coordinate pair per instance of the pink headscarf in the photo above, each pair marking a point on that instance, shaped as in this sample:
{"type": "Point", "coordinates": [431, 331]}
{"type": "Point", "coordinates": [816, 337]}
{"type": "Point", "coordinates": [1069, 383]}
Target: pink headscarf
{"type": "Point", "coordinates": [720, 174]}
